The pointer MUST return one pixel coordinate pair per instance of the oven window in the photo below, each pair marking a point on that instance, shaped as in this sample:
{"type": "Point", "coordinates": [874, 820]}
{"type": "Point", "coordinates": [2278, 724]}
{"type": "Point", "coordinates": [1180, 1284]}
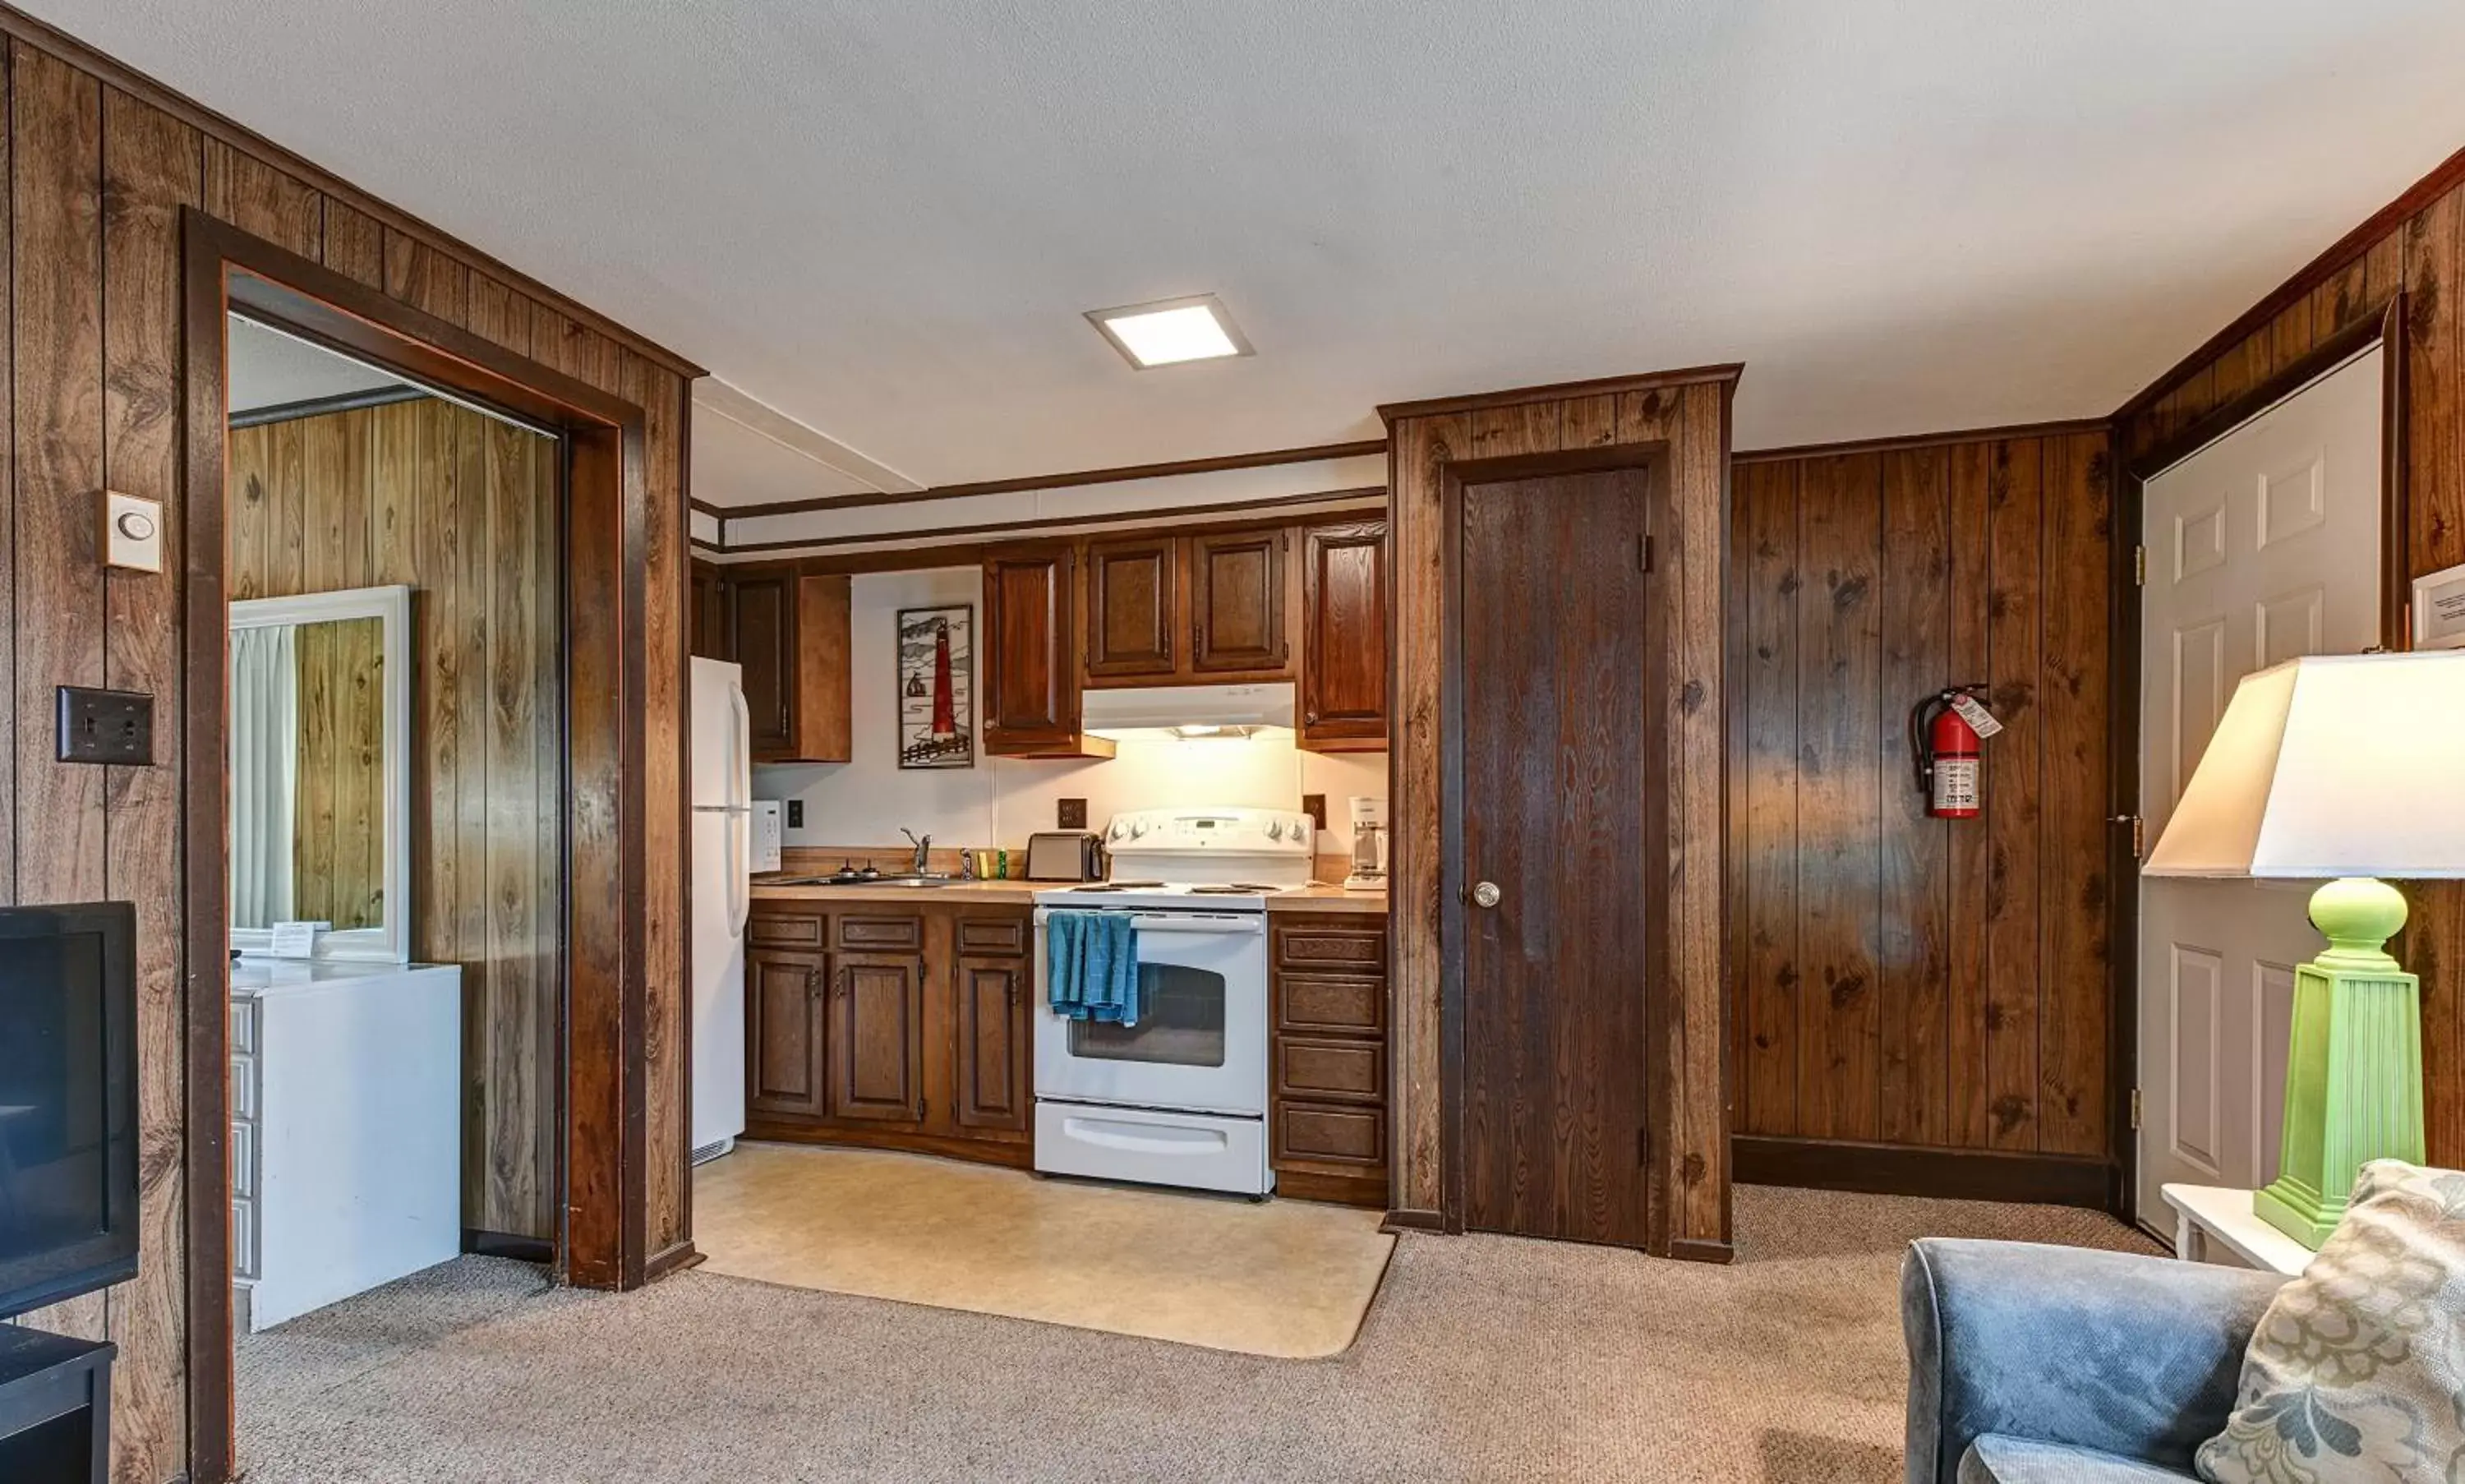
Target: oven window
{"type": "Point", "coordinates": [1181, 1022]}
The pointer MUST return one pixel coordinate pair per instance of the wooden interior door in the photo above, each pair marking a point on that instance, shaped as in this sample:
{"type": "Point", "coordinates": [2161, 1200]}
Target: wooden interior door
{"type": "Point", "coordinates": [877, 1038]}
{"type": "Point", "coordinates": [1555, 811]}
{"type": "Point", "coordinates": [1236, 602]}
{"type": "Point", "coordinates": [2262, 547]}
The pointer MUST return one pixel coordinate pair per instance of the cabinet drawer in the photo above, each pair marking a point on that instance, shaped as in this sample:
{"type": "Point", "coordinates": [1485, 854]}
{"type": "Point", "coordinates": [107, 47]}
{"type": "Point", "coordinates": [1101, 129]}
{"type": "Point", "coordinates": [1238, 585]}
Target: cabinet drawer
{"type": "Point", "coordinates": [881, 932]}
{"type": "Point", "coordinates": [785, 929]}
{"type": "Point", "coordinates": [992, 935]}
{"type": "Point", "coordinates": [1332, 1001]}
{"type": "Point", "coordinates": [1331, 1135]}
{"type": "Point", "coordinates": [1340, 1071]}
{"type": "Point", "coordinates": [1332, 947]}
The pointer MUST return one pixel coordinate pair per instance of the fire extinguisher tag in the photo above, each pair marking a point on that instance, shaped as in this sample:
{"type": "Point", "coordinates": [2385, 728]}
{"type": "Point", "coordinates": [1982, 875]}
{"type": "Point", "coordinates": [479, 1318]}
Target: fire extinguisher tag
{"type": "Point", "coordinates": [1980, 719]}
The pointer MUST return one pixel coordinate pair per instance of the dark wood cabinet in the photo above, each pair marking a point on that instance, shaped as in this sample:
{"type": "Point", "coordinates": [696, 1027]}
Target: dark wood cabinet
{"type": "Point", "coordinates": [1133, 616]}
{"type": "Point", "coordinates": [1345, 597]}
{"type": "Point", "coordinates": [876, 1061]}
{"type": "Point", "coordinates": [1236, 604]}
{"type": "Point", "coordinates": [1327, 1092]}
{"type": "Point", "coordinates": [786, 1020]}
{"type": "Point", "coordinates": [993, 1034]}
{"type": "Point", "coordinates": [1030, 679]}
{"type": "Point", "coordinates": [709, 616]}
{"type": "Point", "coordinates": [789, 632]}
{"type": "Point", "coordinates": [892, 1027]}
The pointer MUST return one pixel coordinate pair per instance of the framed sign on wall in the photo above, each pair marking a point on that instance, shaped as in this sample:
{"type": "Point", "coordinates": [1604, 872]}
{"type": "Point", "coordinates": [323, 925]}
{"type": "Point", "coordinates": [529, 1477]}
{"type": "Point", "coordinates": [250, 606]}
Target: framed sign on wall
{"type": "Point", "coordinates": [937, 693]}
{"type": "Point", "coordinates": [2439, 609]}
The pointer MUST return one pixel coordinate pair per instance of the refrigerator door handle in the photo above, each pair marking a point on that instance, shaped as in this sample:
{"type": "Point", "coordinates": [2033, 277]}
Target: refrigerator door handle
{"type": "Point", "coordinates": [740, 762]}
{"type": "Point", "coordinates": [740, 883]}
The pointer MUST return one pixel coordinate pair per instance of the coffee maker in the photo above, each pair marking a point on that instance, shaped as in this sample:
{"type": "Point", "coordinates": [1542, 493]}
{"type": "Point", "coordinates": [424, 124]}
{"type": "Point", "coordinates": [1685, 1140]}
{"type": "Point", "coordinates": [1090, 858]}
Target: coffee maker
{"type": "Point", "coordinates": [1368, 845]}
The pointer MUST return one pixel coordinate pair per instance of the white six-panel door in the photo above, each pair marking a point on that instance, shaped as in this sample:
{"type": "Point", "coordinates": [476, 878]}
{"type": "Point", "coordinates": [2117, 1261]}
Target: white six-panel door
{"type": "Point", "coordinates": [2262, 546]}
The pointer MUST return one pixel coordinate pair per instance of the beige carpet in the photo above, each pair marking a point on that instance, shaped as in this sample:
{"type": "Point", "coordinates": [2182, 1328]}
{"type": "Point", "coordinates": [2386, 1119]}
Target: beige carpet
{"type": "Point", "coordinates": [1286, 1278]}
{"type": "Point", "coordinates": [1483, 1358]}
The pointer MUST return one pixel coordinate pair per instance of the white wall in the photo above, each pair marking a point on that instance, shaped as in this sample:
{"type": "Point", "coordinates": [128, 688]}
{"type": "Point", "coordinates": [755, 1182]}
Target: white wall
{"type": "Point", "coordinates": [1001, 801]}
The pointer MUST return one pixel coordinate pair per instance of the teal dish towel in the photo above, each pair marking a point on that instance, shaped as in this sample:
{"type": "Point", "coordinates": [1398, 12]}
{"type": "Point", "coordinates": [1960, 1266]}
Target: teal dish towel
{"type": "Point", "coordinates": [1091, 961]}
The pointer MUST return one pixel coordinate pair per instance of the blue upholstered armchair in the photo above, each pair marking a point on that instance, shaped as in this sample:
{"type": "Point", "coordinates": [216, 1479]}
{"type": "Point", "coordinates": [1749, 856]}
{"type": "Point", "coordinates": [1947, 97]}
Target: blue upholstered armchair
{"type": "Point", "coordinates": [2033, 1364]}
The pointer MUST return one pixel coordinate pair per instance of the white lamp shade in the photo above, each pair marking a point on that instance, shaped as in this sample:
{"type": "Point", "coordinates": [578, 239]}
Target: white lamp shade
{"type": "Point", "coordinates": [2331, 766]}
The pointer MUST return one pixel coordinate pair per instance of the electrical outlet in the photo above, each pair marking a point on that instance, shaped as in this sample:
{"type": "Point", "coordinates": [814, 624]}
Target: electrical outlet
{"type": "Point", "coordinates": [796, 813]}
{"type": "Point", "coordinates": [1072, 815]}
{"type": "Point", "coordinates": [105, 727]}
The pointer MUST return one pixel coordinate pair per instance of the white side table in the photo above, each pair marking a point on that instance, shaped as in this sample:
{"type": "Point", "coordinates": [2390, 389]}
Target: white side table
{"type": "Point", "coordinates": [2218, 1216]}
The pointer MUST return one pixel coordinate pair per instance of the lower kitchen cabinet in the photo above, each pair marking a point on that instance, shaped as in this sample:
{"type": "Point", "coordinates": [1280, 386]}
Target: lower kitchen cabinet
{"type": "Point", "coordinates": [891, 1029]}
{"type": "Point", "coordinates": [1327, 1094]}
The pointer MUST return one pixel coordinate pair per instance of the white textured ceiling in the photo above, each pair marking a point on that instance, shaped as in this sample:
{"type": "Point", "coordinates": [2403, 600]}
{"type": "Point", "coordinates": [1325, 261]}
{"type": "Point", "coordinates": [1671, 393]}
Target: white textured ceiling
{"type": "Point", "coordinates": [885, 219]}
{"type": "Point", "coordinates": [269, 368]}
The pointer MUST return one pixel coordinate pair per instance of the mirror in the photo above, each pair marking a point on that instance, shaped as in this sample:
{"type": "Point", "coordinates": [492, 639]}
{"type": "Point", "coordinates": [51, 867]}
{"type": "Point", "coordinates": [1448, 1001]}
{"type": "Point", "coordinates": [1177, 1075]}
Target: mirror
{"type": "Point", "coordinates": [321, 771]}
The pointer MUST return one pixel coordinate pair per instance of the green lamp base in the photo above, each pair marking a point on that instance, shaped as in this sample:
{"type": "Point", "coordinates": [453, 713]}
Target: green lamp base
{"type": "Point", "coordinates": [2353, 1064]}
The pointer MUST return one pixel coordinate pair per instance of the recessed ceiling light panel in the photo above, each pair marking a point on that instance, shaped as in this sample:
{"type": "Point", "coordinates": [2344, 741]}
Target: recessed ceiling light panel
{"type": "Point", "coordinates": [1170, 331]}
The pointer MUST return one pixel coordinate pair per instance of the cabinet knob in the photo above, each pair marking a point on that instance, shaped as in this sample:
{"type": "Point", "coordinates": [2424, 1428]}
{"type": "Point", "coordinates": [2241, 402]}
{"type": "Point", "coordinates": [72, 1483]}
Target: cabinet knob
{"type": "Point", "coordinates": [1485, 894]}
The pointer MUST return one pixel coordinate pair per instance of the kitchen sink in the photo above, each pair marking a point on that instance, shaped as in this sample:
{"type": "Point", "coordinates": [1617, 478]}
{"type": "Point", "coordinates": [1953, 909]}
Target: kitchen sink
{"type": "Point", "coordinates": [912, 881]}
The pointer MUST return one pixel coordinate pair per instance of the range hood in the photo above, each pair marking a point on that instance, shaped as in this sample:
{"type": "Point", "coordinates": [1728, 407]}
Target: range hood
{"type": "Point", "coordinates": [1185, 708]}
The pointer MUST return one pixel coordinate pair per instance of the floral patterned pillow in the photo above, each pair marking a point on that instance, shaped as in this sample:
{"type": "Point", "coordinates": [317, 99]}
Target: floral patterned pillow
{"type": "Point", "coordinates": [2358, 1370]}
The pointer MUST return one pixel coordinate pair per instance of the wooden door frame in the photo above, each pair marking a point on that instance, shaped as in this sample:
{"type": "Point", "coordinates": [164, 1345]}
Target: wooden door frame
{"type": "Point", "coordinates": [2387, 330]}
{"type": "Point", "coordinates": [1661, 998]}
{"type": "Point", "coordinates": [602, 1178]}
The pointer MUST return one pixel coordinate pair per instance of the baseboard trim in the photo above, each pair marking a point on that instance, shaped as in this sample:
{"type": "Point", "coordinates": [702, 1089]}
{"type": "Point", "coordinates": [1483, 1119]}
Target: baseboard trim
{"type": "Point", "coordinates": [675, 1259]}
{"type": "Point", "coordinates": [1703, 1250]}
{"type": "Point", "coordinates": [505, 1244]}
{"type": "Point", "coordinates": [1899, 1170]}
{"type": "Point", "coordinates": [1409, 1218]}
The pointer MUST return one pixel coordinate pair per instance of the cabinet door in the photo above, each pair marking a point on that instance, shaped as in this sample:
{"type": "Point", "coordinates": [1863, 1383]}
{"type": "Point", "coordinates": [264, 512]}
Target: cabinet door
{"type": "Point", "coordinates": [1031, 676]}
{"type": "Point", "coordinates": [762, 634]}
{"type": "Point", "coordinates": [1344, 636]}
{"type": "Point", "coordinates": [1132, 622]}
{"type": "Point", "coordinates": [709, 612]}
{"type": "Point", "coordinates": [786, 1029]}
{"type": "Point", "coordinates": [992, 1032]}
{"type": "Point", "coordinates": [1236, 602]}
{"type": "Point", "coordinates": [877, 1062]}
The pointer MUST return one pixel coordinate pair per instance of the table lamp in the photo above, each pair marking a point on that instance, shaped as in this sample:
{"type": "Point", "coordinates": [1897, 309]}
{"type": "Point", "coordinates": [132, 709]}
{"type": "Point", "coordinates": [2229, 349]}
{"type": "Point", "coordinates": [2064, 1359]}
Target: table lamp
{"type": "Point", "coordinates": [2352, 767]}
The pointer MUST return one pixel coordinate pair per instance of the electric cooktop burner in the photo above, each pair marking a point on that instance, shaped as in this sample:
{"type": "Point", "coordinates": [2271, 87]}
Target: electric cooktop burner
{"type": "Point", "coordinates": [1233, 889]}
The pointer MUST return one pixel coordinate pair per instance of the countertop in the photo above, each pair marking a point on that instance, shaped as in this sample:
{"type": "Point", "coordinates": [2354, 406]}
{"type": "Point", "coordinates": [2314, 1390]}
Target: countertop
{"type": "Point", "coordinates": [1314, 898]}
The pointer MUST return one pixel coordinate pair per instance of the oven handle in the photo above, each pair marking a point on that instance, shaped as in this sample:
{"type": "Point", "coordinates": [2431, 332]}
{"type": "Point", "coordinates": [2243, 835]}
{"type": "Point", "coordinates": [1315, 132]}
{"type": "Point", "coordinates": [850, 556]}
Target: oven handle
{"type": "Point", "coordinates": [1166, 922]}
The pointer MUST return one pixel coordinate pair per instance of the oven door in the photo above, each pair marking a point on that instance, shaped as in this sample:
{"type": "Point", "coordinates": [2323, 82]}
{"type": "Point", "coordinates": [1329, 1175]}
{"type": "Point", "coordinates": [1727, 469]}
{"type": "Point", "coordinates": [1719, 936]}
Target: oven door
{"type": "Point", "coordinates": [1201, 1040]}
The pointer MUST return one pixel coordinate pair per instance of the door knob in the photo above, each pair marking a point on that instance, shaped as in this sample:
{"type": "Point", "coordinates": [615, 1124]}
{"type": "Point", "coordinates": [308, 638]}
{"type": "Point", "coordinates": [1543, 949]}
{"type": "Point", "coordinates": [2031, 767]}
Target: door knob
{"type": "Point", "coordinates": [1485, 894]}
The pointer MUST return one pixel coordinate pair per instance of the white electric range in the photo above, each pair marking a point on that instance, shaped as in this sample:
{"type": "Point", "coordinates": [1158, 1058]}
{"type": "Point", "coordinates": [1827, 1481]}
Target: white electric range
{"type": "Point", "coordinates": [1180, 1098]}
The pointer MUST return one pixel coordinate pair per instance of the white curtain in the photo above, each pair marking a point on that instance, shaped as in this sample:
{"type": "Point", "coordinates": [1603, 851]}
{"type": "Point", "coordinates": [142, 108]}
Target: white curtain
{"type": "Point", "coordinates": [264, 772]}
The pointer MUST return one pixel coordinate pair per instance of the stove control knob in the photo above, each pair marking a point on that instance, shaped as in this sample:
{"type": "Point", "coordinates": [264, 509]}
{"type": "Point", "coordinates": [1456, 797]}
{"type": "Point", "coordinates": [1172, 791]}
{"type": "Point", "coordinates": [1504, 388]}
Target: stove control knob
{"type": "Point", "coordinates": [1275, 829]}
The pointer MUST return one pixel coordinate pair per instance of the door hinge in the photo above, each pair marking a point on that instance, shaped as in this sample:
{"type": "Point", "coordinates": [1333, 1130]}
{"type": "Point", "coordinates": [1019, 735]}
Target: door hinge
{"type": "Point", "coordinates": [2135, 1108]}
{"type": "Point", "coordinates": [2140, 566]}
{"type": "Point", "coordinates": [2138, 834]}
{"type": "Point", "coordinates": [1643, 553]}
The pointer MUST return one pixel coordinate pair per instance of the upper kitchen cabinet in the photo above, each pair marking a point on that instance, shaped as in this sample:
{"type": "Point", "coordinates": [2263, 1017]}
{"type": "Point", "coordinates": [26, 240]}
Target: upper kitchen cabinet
{"type": "Point", "coordinates": [789, 632]}
{"type": "Point", "coordinates": [709, 639]}
{"type": "Point", "coordinates": [1344, 594]}
{"type": "Point", "coordinates": [1133, 614]}
{"type": "Point", "coordinates": [1236, 605]}
{"type": "Point", "coordinates": [1033, 660]}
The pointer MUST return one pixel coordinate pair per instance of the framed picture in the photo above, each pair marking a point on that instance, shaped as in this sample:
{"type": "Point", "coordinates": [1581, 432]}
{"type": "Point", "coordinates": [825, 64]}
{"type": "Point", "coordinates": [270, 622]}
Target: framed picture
{"type": "Point", "coordinates": [936, 686]}
{"type": "Point", "coordinates": [2439, 610]}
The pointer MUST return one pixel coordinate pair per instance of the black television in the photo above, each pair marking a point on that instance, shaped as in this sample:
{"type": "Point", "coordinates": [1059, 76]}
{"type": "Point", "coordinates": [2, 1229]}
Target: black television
{"type": "Point", "coordinates": [68, 1101]}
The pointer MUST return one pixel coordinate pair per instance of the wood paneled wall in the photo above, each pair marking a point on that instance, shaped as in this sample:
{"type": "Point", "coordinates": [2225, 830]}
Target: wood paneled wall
{"type": "Point", "coordinates": [2418, 247]}
{"type": "Point", "coordinates": [1900, 979]}
{"type": "Point", "coordinates": [464, 508]}
{"type": "Point", "coordinates": [338, 836]}
{"type": "Point", "coordinates": [98, 162]}
{"type": "Point", "coordinates": [1691, 417]}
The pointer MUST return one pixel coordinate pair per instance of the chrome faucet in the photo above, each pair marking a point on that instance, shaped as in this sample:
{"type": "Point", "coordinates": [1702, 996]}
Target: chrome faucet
{"type": "Point", "coordinates": [923, 844]}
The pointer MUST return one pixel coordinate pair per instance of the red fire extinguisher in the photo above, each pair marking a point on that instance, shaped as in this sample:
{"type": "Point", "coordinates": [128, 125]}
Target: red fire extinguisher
{"type": "Point", "coordinates": [1944, 730]}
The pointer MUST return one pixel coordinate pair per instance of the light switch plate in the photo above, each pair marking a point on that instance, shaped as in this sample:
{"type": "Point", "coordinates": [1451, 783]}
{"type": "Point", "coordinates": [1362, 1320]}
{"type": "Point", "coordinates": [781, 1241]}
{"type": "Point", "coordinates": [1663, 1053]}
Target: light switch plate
{"type": "Point", "coordinates": [132, 532]}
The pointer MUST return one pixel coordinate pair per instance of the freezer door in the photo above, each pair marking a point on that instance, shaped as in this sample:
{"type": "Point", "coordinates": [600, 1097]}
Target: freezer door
{"type": "Point", "coordinates": [721, 760]}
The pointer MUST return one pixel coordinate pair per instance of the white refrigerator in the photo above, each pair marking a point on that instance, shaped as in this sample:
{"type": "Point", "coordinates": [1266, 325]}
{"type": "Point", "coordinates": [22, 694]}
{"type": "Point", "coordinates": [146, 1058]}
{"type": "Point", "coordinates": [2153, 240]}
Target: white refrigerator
{"type": "Point", "coordinates": [723, 832]}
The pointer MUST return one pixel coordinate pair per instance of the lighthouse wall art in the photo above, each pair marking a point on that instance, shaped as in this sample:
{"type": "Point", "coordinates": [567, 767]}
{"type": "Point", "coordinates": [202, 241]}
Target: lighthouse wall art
{"type": "Point", "coordinates": [936, 686]}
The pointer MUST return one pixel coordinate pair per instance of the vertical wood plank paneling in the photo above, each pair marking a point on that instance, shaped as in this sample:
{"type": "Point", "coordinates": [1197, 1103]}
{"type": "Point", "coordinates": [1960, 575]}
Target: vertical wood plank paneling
{"type": "Point", "coordinates": [487, 1177]}
{"type": "Point", "coordinates": [397, 485]}
{"type": "Point", "coordinates": [260, 198]}
{"type": "Point", "coordinates": [500, 315]}
{"type": "Point", "coordinates": [2013, 780]}
{"type": "Point", "coordinates": [152, 166]}
{"type": "Point", "coordinates": [1912, 943]}
{"type": "Point", "coordinates": [1418, 456]}
{"type": "Point", "coordinates": [512, 811]}
{"type": "Point", "coordinates": [1767, 515]}
{"type": "Point", "coordinates": [11, 588]}
{"type": "Point", "coordinates": [425, 278]}
{"type": "Point", "coordinates": [2074, 1009]}
{"type": "Point", "coordinates": [660, 396]}
{"type": "Point", "coordinates": [1839, 657]}
{"type": "Point", "coordinates": [56, 115]}
{"type": "Point", "coordinates": [354, 244]}
{"type": "Point", "coordinates": [1971, 597]}
{"type": "Point", "coordinates": [547, 914]}
{"type": "Point", "coordinates": [248, 514]}
{"type": "Point", "coordinates": [1699, 1166]}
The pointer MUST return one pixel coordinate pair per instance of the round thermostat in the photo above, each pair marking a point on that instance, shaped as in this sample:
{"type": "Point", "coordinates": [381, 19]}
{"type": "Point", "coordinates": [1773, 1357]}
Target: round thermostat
{"type": "Point", "coordinates": [136, 525]}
